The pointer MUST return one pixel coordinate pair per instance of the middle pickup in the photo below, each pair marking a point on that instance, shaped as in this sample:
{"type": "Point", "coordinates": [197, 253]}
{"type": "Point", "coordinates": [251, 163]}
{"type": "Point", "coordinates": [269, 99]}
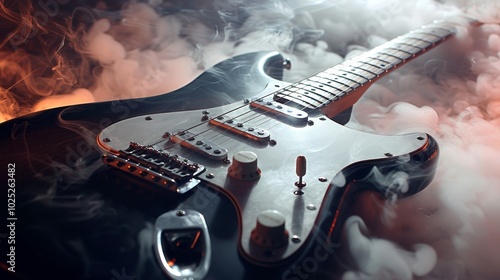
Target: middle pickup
{"type": "Point", "coordinates": [240, 128]}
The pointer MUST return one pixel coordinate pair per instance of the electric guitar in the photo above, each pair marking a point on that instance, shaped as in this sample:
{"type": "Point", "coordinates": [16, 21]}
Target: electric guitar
{"type": "Point", "coordinates": [238, 175]}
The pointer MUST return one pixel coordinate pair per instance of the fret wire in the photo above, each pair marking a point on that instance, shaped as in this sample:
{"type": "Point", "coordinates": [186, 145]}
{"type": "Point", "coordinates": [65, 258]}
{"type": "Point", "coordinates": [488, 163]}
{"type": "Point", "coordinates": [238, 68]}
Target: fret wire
{"type": "Point", "coordinates": [436, 32]}
{"type": "Point", "coordinates": [320, 91]}
{"type": "Point", "coordinates": [433, 37]}
{"type": "Point", "coordinates": [378, 57]}
{"type": "Point", "coordinates": [411, 36]}
{"type": "Point", "coordinates": [433, 32]}
{"type": "Point", "coordinates": [327, 75]}
{"type": "Point", "coordinates": [381, 67]}
{"type": "Point", "coordinates": [401, 48]}
{"type": "Point", "coordinates": [414, 42]}
{"type": "Point", "coordinates": [425, 37]}
{"type": "Point", "coordinates": [326, 82]}
{"type": "Point", "coordinates": [357, 78]}
{"type": "Point", "coordinates": [382, 62]}
{"type": "Point", "coordinates": [415, 50]}
{"type": "Point", "coordinates": [311, 92]}
{"type": "Point", "coordinates": [398, 48]}
{"type": "Point", "coordinates": [388, 56]}
{"type": "Point", "coordinates": [336, 86]}
{"type": "Point", "coordinates": [398, 54]}
{"type": "Point", "coordinates": [359, 65]}
{"type": "Point", "coordinates": [368, 68]}
{"type": "Point", "coordinates": [342, 80]}
{"type": "Point", "coordinates": [304, 98]}
{"type": "Point", "coordinates": [312, 95]}
{"type": "Point", "coordinates": [345, 76]}
{"type": "Point", "coordinates": [322, 86]}
{"type": "Point", "coordinates": [355, 71]}
{"type": "Point", "coordinates": [295, 99]}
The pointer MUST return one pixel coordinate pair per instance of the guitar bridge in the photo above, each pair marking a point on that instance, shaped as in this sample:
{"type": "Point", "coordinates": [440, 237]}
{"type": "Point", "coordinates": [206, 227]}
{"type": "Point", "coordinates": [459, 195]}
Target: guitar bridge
{"type": "Point", "coordinates": [168, 171]}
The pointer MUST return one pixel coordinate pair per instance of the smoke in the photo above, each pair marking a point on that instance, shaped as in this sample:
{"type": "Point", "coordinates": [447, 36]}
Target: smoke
{"type": "Point", "coordinates": [139, 49]}
{"type": "Point", "coordinates": [454, 97]}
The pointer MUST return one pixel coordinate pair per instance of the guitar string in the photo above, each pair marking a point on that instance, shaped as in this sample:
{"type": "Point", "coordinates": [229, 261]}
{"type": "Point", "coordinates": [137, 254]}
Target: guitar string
{"type": "Point", "coordinates": [398, 60]}
{"type": "Point", "coordinates": [273, 122]}
{"type": "Point", "coordinates": [269, 120]}
{"type": "Point", "coordinates": [305, 83]}
{"type": "Point", "coordinates": [218, 134]}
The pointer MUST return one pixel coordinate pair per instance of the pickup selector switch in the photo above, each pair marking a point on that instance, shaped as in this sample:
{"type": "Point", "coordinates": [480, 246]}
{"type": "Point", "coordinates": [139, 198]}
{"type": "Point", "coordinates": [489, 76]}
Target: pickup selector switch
{"type": "Point", "coordinates": [270, 231]}
{"type": "Point", "coordinates": [244, 166]}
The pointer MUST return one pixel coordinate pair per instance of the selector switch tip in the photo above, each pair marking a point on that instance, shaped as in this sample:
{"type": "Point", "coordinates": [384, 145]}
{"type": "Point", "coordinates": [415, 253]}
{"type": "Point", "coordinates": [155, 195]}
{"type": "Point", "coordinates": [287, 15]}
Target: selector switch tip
{"type": "Point", "coordinates": [244, 166]}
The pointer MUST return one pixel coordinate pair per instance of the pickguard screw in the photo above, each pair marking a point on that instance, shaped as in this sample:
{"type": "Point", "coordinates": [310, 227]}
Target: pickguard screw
{"type": "Point", "coordinates": [106, 140]}
{"type": "Point", "coordinates": [311, 207]}
{"type": "Point", "coordinates": [246, 101]}
{"type": "Point", "coordinates": [210, 176]}
{"type": "Point", "coordinates": [272, 142]}
{"type": "Point", "coordinates": [420, 138]}
{"type": "Point", "coordinates": [298, 192]}
{"type": "Point", "coordinates": [204, 118]}
{"type": "Point", "coordinates": [295, 238]}
{"type": "Point", "coordinates": [206, 112]}
{"type": "Point", "coordinates": [287, 64]}
{"type": "Point", "coordinates": [322, 119]}
{"type": "Point", "coordinates": [310, 122]}
{"type": "Point", "coordinates": [226, 160]}
{"type": "Point", "coordinates": [166, 135]}
{"type": "Point", "coordinates": [180, 213]}
{"type": "Point", "coordinates": [388, 154]}
{"type": "Point", "coordinates": [148, 118]}
{"type": "Point", "coordinates": [322, 179]}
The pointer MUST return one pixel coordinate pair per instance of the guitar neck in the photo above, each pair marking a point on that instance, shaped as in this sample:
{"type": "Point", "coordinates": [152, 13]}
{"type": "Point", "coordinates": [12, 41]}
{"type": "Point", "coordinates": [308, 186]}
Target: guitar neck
{"type": "Point", "coordinates": [339, 87]}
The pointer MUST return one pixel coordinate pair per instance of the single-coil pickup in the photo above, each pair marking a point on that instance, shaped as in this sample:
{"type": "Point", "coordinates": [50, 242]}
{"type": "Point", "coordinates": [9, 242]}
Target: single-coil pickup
{"type": "Point", "coordinates": [240, 128]}
{"type": "Point", "coordinates": [281, 111]}
{"type": "Point", "coordinates": [200, 145]}
{"type": "Point", "coordinates": [170, 172]}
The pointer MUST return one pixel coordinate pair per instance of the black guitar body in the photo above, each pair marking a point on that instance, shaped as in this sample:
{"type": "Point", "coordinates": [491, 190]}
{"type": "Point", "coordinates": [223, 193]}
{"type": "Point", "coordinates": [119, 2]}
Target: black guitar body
{"type": "Point", "coordinates": [77, 218]}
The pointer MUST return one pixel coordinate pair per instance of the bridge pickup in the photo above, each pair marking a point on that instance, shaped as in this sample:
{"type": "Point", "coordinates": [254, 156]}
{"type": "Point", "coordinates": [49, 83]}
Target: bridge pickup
{"type": "Point", "coordinates": [170, 172]}
{"type": "Point", "coordinates": [202, 146]}
{"type": "Point", "coordinates": [240, 128]}
{"type": "Point", "coordinates": [282, 111]}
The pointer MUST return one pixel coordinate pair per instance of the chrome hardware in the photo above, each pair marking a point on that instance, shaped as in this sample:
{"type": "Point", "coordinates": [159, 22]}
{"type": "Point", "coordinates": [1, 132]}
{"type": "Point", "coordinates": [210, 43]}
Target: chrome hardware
{"type": "Point", "coordinates": [182, 244]}
{"type": "Point", "coordinates": [285, 112]}
{"type": "Point", "coordinates": [239, 128]}
{"type": "Point", "coordinates": [202, 146]}
{"type": "Point", "coordinates": [170, 172]}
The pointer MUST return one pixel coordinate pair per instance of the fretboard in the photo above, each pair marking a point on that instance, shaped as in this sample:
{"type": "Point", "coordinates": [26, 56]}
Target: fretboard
{"type": "Point", "coordinates": [340, 86]}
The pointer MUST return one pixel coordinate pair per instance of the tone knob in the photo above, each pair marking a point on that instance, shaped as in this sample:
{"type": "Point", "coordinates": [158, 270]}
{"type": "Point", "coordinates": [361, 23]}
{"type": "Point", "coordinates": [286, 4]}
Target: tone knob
{"type": "Point", "coordinates": [244, 166]}
{"type": "Point", "coordinates": [270, 230]}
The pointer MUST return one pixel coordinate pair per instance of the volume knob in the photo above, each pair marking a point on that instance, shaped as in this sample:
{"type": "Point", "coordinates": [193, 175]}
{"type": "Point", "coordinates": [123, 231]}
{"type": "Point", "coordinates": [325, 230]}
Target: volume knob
{"type": "Point", "coordinates": [270, 231]}
{"type": "Point", "coordinates": [244, 166]}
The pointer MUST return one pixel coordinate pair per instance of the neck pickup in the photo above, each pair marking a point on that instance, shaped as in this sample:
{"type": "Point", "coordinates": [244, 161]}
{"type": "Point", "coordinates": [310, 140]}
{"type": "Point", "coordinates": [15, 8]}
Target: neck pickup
{"type": "Point", "coordinates": [281, 111]}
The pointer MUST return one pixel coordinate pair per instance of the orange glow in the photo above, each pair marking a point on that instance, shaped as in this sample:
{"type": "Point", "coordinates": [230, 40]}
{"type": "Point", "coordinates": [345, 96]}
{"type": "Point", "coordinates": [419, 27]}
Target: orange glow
{"type": "Point", "coordinates": [195, 239]}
